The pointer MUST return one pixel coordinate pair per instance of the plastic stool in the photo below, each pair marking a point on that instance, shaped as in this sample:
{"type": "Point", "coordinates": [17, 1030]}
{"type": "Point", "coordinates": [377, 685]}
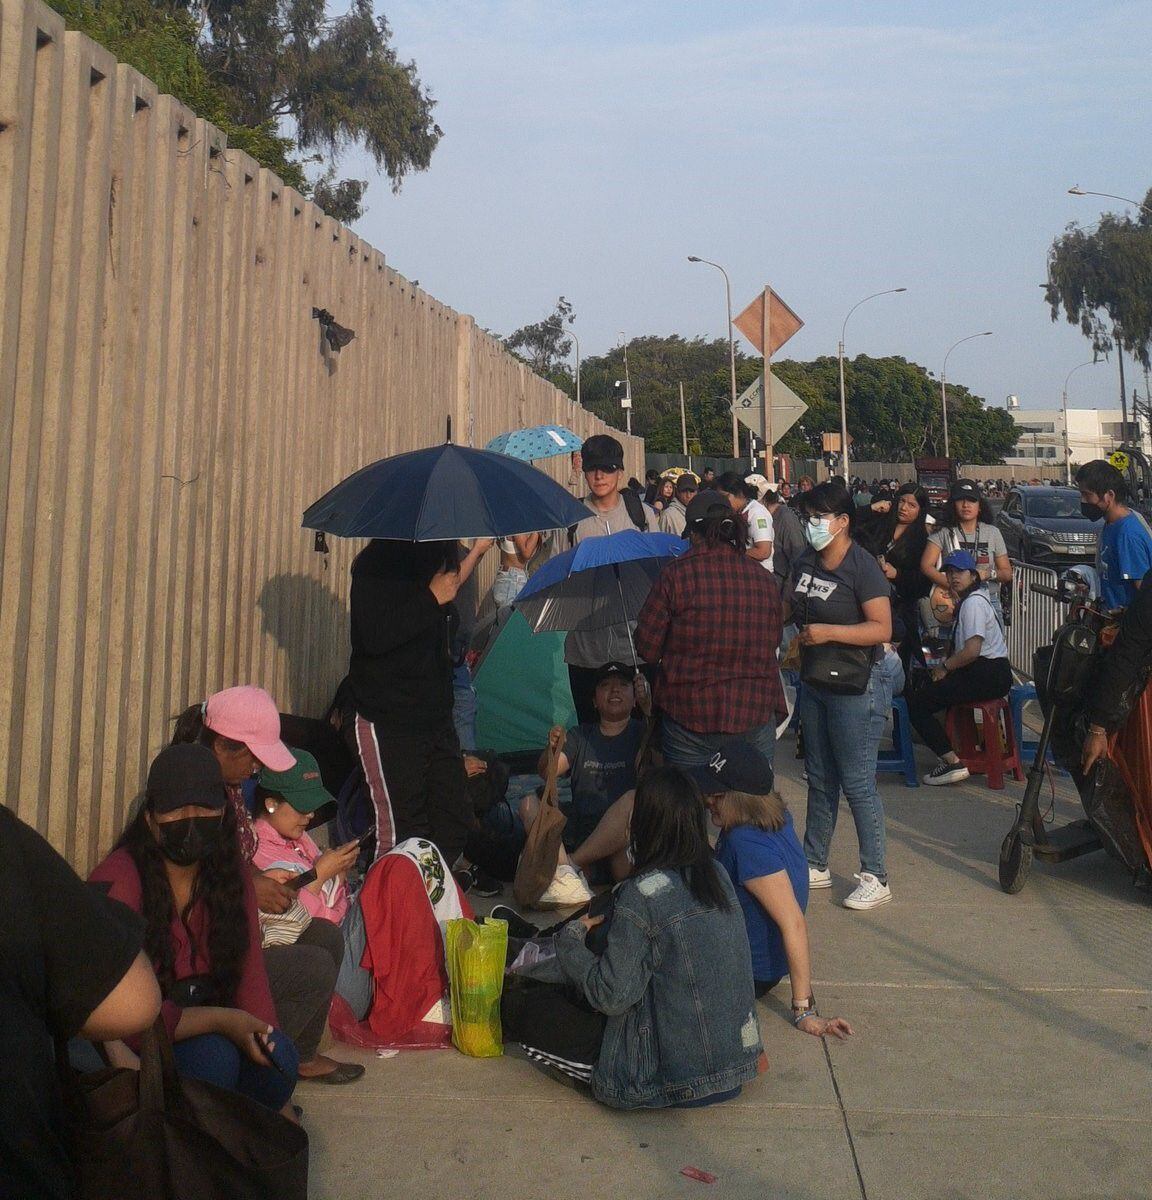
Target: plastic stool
{"type": "Point", "coordinates": [996, 752]}
{"type": "Point", "coordinates": [903, 758]}
{"type": "Point", "coordinates": [1020, 696]}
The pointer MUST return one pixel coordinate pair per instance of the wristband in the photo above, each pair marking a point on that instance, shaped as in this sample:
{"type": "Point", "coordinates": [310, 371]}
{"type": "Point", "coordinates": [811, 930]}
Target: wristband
{"type": "Point", "coordinates": [798, 1017]}
{"type": "Point", "coordinates": [1096, 729]}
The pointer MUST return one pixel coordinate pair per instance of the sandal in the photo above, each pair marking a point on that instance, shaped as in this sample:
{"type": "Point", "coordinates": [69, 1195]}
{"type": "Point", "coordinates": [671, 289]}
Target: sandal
{"type": "Point", "coordinates": [343, 1073]}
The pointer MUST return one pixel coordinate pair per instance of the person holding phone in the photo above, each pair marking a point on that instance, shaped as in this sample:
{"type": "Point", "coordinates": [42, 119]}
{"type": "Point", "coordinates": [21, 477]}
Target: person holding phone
{"type": "Point", "coordinates": [178, 864]}
{"type": "Point", "coordinates": [286, 802]}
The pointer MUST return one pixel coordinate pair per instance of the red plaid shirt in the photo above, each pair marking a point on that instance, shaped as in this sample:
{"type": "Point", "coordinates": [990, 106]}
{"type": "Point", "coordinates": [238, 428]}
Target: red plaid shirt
{"type": "Point", "coordinates": [712, 621]}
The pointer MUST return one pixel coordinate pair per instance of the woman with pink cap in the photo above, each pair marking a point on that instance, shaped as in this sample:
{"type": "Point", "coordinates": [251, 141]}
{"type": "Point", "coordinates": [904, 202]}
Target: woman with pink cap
{"type": "Point", "coordinates": [241, 726]}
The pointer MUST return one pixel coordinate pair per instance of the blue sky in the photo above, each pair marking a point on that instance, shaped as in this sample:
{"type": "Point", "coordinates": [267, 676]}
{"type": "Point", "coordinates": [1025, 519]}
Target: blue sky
{"type": "Point", "coordinates": [830, 149]}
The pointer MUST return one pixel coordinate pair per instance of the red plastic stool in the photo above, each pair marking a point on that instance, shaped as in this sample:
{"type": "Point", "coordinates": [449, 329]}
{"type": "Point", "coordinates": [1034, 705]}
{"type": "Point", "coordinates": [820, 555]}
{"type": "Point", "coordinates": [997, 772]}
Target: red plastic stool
{"type": "Point", "coordinates": [997, 752]}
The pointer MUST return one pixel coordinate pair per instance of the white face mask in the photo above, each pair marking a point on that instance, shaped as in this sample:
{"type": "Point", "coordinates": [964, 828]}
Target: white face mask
{"type": "Point", "coordinates": [818, 532]}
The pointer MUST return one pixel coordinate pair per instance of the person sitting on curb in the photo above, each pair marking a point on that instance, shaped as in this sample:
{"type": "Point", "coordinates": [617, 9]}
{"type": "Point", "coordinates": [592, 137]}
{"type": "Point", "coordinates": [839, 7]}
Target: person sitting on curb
{"type": "Point", "coordinates": [976, 668]}
{"type": "Point", "coordinates": [762, 855]}
{"type": "Point", "coordinates": [600, 760]}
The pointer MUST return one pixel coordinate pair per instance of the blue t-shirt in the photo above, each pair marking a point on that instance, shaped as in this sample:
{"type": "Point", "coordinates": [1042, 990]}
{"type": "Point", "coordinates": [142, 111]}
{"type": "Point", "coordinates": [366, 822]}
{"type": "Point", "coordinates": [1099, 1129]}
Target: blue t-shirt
{"type": "Point", "coordinates": [1125, 558]}
{"type": "Point", "coordinates": [748, 853]}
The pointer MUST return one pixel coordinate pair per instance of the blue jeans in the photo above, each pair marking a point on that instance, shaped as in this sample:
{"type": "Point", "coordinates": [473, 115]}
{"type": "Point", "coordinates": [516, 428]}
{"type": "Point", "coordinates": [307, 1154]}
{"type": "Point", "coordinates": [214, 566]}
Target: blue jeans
{"type": "Point", "coordinates": [464, 707]}
{"type": "Point", "coordinates": [213, 1058]}
{"type": "Point", "coordinates": [507, 585]}
{"type": "Point", "coordinates": [686, 748]}
{"type": "Point", "coordinates": [841, 737]}
{"type": "Point", "coordinates": [888, 675]}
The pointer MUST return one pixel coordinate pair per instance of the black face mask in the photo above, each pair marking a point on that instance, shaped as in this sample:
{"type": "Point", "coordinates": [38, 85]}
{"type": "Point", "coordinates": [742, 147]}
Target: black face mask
{"type": "Point", "coordinates": [188, 840]}
{"type": "Point", "coordinates": [1092, 512]}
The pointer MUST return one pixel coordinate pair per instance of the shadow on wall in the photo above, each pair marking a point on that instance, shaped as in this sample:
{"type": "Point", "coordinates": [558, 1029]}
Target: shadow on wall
{"type": "Point", "coordinates": [310, 624]}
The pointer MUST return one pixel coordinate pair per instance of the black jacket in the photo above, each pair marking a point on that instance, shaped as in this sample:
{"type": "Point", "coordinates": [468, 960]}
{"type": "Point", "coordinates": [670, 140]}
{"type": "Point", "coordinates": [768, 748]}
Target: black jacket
{"type": "Point", "coordinates": [1125, 664]}
{"type": "Point", "coordinates": [400, 672]}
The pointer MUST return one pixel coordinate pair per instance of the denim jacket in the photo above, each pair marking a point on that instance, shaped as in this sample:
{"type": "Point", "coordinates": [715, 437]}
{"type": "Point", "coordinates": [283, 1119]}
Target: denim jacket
{"type": "Point", "coordinates": [675, 981]}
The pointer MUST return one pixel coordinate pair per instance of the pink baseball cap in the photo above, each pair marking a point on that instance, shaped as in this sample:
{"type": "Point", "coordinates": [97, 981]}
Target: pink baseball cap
{"type": "Point", "coordinates": [248, 714]}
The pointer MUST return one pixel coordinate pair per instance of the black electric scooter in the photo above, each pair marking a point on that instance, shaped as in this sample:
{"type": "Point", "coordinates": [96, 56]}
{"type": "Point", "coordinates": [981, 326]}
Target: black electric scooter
{"type": "Point", "coordinates": [1069, 663]}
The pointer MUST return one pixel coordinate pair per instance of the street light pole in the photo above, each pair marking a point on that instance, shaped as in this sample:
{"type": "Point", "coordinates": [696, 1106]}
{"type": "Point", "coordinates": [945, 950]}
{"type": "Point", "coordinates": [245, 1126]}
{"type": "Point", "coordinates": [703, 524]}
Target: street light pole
{"type": "Point", "coordinates": [1064, 409]}
{"type": "Point", "coordinates": [1079, 191]}
{"type": "Point", "coordinates": [692, 258]}
{"type": "Point", "coordinates": [840, 360]}
{"type": "Point", "coordinates": [943, 388]}
{"type": "Point", "coordinates": [627, 388]}
{"type": "Point", "coordinates": [577, 341]}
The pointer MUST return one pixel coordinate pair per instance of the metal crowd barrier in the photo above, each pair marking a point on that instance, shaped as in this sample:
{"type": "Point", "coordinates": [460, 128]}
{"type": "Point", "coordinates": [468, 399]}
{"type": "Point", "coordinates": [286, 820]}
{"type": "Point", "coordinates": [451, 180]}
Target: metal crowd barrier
{"type": "Point", "coordinates": [1034, 618]}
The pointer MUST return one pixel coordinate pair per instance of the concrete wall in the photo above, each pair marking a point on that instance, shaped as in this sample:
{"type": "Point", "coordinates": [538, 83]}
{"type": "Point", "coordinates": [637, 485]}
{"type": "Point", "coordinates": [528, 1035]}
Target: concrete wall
{"type": "Point", "coordinates": [169, 409]}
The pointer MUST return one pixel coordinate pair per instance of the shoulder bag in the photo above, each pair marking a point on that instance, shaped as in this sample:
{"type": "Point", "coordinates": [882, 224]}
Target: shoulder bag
{"type": "Point", "coordinates": [835, 667]}
{"type": "Point", "coordinates": [541, 853]}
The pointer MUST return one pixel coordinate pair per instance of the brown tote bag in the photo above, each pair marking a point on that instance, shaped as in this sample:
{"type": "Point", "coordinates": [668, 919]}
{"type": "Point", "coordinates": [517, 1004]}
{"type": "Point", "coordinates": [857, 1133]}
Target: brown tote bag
{"type": "Point", "coordinates": [541, 853]}
{"type": "Point", "coordinates": [153, 1135]}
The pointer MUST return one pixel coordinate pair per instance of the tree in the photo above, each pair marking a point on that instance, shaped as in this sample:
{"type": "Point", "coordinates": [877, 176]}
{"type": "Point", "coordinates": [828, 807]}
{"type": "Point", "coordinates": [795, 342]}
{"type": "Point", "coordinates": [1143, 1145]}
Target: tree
{"type": "Point", "coordinates": [545, 346]}
{"type": "Point", "coordinates": [259, 68]}
{"type": "Point", "coordinates": [1102, 280]}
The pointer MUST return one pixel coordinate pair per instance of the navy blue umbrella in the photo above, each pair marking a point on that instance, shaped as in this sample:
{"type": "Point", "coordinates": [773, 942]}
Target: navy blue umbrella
{"type": "Point", "coordinates": [444, 493]}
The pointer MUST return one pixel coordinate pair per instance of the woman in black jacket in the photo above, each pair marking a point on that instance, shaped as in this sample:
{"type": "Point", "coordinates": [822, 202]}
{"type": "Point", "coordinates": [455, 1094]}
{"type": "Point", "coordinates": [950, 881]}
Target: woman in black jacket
{"type": "Point", "coordinates": [897, 539]}
{"type": "Point", "coordinates": [404, 622]}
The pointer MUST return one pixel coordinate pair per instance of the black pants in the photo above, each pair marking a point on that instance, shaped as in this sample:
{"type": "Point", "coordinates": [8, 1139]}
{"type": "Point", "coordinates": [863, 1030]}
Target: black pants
{"type": "Point", "coordinates": [302, 978]}
{"type": "Point", "coordinates": [985, 679]}
{"type": "Point", "coordinates": [582, 681]}
{"type": "Point", "coordinates": [419, 787]}
{"type": "Point", "coordinates": [556, 1021]}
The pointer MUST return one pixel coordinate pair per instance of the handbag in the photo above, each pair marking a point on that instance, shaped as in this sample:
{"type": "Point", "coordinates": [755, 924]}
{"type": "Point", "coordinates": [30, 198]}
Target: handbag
{"type": "Point", "coordinates": [153, 1135]}
{"type": "Point", "coordinates": [541, 852]}
{"type": "Point", "coordinates": [833, 667]}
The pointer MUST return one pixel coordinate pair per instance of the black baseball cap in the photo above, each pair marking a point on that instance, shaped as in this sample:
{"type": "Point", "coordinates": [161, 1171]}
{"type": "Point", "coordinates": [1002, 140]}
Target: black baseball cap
{"type": "Point", "coordinates": [687, 482]}
{"type": "Point", "coordinates": [602, 452]}
{"type": "Point", "coordinates": [736, 767]}
{"type": "Point", "coordinates": [706, 506]}
{"type": "Point", "coordinates": [964, 489]}
{"type": "Point", "coordinates": [186, 773]}
{"type": "Point", "coordinates": [609, 669]}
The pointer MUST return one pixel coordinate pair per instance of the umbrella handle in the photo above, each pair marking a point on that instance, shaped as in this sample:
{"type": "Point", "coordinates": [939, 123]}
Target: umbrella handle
{"type": "Point", "coordinates": [627, 623]}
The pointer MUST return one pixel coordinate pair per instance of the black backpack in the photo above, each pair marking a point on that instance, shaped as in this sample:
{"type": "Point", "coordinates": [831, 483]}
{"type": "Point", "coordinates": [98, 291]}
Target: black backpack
{"type": "Point", "coordinates": [635, 506]}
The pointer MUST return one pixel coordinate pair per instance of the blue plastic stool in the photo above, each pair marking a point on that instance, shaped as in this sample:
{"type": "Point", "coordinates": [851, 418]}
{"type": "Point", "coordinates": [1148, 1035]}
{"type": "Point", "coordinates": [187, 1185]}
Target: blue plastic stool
{"type": "Point", "coordinates": [903, 758]}
{"type": "Point", "coordinates": [1018, 697]}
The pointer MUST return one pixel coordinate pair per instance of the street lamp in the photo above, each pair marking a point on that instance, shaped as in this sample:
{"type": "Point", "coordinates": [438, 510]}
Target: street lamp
{"type": "Point", "coordinates": [943, 391]}
{"type": "Point", "coordinates": [1079, 191]}
{"type": "Point", "coordinates": [840, 359]}
{"type": "Point", "coordinates": [692, 258]}
{"type": "Point", "coordinates": [573, 336]}
{"type": "Point", "coordinates": [626, 403]}
{"type": "Point", "coordinates": [1064, 409]}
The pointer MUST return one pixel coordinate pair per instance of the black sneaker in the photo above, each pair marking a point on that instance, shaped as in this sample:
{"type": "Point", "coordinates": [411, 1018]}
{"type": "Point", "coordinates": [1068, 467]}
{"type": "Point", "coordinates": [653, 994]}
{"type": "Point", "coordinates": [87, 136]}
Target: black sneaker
{"type": "Point", "coordinates": [945, 773]}
{"type": "Point", "coordinates": [518, 926]}
{"type": "Point", "coordinates": [475, 882]}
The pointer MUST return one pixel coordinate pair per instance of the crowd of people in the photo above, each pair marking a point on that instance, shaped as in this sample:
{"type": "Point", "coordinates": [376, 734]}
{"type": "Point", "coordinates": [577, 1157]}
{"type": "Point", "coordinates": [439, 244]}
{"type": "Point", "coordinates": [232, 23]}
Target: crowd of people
{"type": "Point", "coordinates": [237, 930]}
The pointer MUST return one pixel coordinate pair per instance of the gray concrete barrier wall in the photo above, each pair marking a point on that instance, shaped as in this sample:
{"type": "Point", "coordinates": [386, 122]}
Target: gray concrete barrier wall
{"type": "Point", "coordinates": [169, 408]}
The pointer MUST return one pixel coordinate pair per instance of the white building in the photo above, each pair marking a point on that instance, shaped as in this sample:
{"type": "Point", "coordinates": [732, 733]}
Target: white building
{"type": "Point", "coordinates": [1092, 433]}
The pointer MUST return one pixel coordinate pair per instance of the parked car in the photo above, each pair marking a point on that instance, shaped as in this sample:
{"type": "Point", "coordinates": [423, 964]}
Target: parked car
{"type": "Point", "coordinates": [1043, 526]}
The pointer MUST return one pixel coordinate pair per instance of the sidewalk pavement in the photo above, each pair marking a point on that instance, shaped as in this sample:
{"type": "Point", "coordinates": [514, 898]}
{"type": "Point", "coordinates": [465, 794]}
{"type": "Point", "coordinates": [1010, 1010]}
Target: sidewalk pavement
{"type": "Point", "coordinates": [1001, 1050]}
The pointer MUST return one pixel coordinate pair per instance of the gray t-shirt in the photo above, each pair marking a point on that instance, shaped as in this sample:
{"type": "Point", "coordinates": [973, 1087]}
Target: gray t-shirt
{"type": "Point", "coordinates": [837, 597]}
{"type": "Point", "coordinates": [985, 545]}
{"type": "Point", "coordinates": [598, 646]}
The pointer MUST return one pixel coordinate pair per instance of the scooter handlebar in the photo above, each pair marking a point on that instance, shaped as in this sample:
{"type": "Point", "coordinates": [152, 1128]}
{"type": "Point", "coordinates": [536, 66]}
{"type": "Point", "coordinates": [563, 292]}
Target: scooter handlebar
{"type": "Point", "coordinates": [1052, 593]}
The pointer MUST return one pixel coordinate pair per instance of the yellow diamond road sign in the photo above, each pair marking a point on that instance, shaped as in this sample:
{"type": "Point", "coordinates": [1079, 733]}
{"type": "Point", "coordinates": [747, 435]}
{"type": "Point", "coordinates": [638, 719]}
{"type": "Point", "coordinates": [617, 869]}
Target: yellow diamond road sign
{"type": "Point", "coordinates": [787, 407]}
{"type": "Point", "coordinates": [1119, 460]}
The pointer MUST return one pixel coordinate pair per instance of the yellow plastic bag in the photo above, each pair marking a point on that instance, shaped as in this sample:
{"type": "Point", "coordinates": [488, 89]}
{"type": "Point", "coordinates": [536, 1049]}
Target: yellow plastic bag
{"type": "Point", "coordinates": [476, 955]}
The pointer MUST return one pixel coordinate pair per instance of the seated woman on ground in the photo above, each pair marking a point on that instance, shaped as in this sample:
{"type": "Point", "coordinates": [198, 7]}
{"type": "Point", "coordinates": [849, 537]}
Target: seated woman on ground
{"type": "Point", "coordinates": [976, 667]}
{"type": "Point", "coordinates": [600, 760]}
{"type": "Point", "coordinates": [178, 865]}
{"type": "Point", "coordinates": [286, 801]}
{"type": "Point", "coordinates": [761, 853]}
{"type": "Point", "coordinates": [665, 1016]}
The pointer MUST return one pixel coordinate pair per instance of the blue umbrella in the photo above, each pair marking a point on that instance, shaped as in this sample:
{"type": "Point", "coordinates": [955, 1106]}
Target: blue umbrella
{"type": "Point", "coordinates": [539, 441]}
{"type": "Point", "coordinates": [602, 581]}
{"type": "Point", "coordinates": [441, 494]}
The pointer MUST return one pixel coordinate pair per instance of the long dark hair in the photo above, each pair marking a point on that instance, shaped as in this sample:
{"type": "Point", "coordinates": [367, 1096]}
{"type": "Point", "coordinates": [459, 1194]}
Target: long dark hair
{"type": "Point", "coordinates": [669, 832]}
{"type": "Point", "coordinates": [950, 519]}
{"type": "Point", "coordinates": [189, 727]}
{"type": "Point", "coordinates": [219, 886]}
{"type": "Point", "coordinates": [918, 530]}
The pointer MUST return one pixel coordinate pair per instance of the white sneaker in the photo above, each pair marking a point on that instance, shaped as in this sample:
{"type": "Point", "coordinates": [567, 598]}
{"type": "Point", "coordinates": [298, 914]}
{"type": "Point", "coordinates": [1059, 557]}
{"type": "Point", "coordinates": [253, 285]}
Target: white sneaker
{"type": "Point", "coordinates": [568, 888]}
{"type": "Point", "coordinates": [944, 773]}
{"type": "Point", "coordinates": [818, 878]}
{"type": "Point", "coordinates": [869, 892]}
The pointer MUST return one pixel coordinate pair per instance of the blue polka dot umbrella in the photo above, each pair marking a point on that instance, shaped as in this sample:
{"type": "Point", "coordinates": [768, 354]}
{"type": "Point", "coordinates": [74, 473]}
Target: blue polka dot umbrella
{"type": "Point", "coordinates": [537, 442]}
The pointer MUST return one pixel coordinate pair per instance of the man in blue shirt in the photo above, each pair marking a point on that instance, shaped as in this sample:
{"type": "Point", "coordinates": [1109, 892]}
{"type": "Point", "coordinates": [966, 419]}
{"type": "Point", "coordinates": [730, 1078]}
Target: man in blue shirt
{"type": "Point", "coordinates": [1124, 553]}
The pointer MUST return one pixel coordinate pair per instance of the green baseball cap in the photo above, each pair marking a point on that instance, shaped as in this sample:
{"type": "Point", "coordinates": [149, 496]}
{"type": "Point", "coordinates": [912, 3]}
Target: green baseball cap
{"type": "Point", "coordinates": [301, 785]}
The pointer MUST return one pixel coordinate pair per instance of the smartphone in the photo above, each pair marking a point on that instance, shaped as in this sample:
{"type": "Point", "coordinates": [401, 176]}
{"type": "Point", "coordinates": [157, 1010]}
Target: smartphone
{"type": "Point", "coordinates": [301, 881]}
{"type": "Point", "coordinates": [370, 832]}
